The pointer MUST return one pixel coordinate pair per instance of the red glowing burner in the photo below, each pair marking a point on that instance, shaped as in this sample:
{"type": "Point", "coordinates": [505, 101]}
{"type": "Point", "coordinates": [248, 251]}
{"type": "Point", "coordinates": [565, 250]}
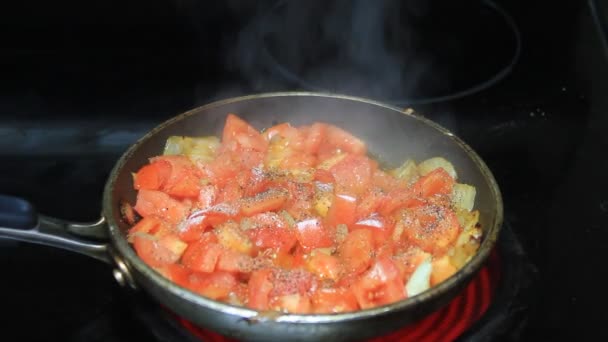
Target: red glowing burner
{"type": "Point", "coordinates": [446, 324]}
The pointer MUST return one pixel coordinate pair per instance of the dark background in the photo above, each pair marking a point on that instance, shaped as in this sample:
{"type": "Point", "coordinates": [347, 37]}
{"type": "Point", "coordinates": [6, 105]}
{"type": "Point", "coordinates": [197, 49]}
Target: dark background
{"type": "Point", "coordinates": [80, 81]}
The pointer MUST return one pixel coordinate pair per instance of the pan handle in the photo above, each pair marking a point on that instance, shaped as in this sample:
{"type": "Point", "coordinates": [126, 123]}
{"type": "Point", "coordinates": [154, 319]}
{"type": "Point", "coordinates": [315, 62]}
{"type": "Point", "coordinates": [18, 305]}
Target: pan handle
{"type": "Point", "coordinates": [19, 220]}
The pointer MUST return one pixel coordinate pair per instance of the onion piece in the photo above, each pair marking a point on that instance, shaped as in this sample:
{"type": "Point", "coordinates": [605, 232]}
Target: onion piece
{"type": "Point", "coordinates": [420, 280]}
{"type": "Point", "coordinates": [434, 163]}
{"type": "Point", "coordinates": [463, 196]}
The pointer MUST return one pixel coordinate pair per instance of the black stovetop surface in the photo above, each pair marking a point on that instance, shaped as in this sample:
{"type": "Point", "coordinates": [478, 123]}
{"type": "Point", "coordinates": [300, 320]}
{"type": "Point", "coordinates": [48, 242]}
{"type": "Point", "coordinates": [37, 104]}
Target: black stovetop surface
{"type": "Point", "coordinates": [81, 81]}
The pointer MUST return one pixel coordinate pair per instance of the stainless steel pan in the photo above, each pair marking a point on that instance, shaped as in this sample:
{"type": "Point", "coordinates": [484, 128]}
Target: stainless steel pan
{"type": "Point", "coordinates": [391, 134]}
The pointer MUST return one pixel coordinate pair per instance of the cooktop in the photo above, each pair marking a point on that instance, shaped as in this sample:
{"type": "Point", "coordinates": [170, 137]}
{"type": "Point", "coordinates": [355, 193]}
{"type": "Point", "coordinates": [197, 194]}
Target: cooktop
{"type": "Point", "coordinates": [82, 81]}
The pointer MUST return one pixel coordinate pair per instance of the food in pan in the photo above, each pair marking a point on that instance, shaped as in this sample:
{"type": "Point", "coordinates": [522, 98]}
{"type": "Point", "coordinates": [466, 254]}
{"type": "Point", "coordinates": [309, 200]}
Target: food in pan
{"type": "Point", "coordinates": [299, 219]}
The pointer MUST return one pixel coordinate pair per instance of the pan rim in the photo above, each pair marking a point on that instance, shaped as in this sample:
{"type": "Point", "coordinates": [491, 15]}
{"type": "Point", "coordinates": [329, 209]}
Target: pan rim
{"type": "Point", "coordinates": [469, 269]}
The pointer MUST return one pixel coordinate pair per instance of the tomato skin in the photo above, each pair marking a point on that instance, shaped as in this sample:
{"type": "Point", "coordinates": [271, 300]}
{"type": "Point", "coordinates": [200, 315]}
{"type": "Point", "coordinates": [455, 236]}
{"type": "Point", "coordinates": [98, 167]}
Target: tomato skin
{"type": "Point", "coordinates": [259, 288]}
{"type": "Point", "coordinates": [356, 251]}
{"type": "Point", "coordinates": [239, 131]}
{"type": "Point", "coordinates": [380, 285]}
{"type": "Point", "coordinates": [334, 300]}
{"type": "Point", "coordinates": [343, 210]}
{"type": "Point", "coordinates": [158, 203]}
{"type": "Point", "coordinates": [312, 234]}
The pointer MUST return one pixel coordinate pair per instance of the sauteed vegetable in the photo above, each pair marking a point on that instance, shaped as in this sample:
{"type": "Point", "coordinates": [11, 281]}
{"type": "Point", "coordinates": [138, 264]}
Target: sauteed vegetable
{"type": "Point", "coordinates": [299, 219]}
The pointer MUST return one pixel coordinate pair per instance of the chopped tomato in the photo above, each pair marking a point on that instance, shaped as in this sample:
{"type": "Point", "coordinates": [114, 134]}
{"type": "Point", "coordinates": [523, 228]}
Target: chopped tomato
{"type": "Point", "coordinates": [312, 234]}
{"type": "Point", "coordinates": [202, 256]}
{"type": "Point", "coordinates": [233, 261]}
{"type": "Point", "coordinates": [435, 182]}
{"type": "Point", "coordinates": [177, 273]}
{"type": "Point", "coordinates": [381, 228]}
{"type": "Point", "coordinates": [269, 200]}
{"type": "Point", "coordinates": [292, 135]}
{"type": "Point", "coordinates": [207, 196]}
{"type": "Point", "coordinates": [314, 137]}
{"type": "Point", "coordinates": [294, 303]}
{"type": "Point", "coordinates": [356, 251]}
{"type": "Point", "coordinates": [294, 219]}
{"type": "Point", "coordinates": [384, 181]}
{"type": "Point", "coordinates": [380, 285]}
{"type": "Point", "coordinates": [157, 251]}
{"type": "Point", "coordinates": [214, 285]}
{"type": "Point", "coordinates": [158, 203]}
{"type": "Point", "coordinates": [183, 178]}
{"type": "Point", "coordinates": [286, 282]}
{"type": "Point", "coordinates": [339, 139]}
{"type": "Point", "coordinates": [299, 203]}
{"type": "Point", "coordinates": [148, 225]}
{"type": "Point", "coordinates": [343, 210]}
{"type": "Point", "coordinates": [259, 286]}
{"type": "Point", "coordinates": [334, 300]}
{"type": "Point", "coordinates": [273, 237]}
{"type": "Point", "coordinates": [325, 266]}
{"type": "Point", "coordinates": [433, 229]}
{"type": "Point", "coordinates": [352, 174]}
{"type": "Point", "coordinates": [152, 176]}
{"type": "Point", "coordinates": [237, 130]}
{"type": "Point", "coordinates": [399, 198]}
{"type": "Point", "coordinates": [201, 220]}
{"type": "Point", "coordinates": [370, 203]}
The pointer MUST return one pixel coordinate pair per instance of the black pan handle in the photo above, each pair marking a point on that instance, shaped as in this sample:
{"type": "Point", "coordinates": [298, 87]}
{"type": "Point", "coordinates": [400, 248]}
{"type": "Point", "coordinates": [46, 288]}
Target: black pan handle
{"type": "Point", "coordinates": [19, 220]}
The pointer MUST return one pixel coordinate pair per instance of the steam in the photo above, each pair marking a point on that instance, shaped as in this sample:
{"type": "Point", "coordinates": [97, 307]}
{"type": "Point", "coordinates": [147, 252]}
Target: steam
{"type": "Point", "coordinates": [357, 47]}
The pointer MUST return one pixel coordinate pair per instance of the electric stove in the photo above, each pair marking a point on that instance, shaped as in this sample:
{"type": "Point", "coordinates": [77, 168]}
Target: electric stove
{"type": "Point", "coordinates": [82, 81]}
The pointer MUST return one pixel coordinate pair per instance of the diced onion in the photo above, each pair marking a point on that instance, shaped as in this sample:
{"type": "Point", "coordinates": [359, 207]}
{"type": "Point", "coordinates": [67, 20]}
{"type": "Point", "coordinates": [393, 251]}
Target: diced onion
{"type": "Point", "coordinates": [420, 280]}
{"type": "Point", "coordinates": [463, 196]}
{"type": "Point", "coordinates": [195, 148]}
{"type": "Point", "coordinates": [407, 172]}
{"type": "Point", "coordinates": [434, 163]}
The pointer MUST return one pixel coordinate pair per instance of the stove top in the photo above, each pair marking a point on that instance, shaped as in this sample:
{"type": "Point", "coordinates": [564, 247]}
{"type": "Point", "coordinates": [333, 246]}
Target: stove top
{"type": "Point", "coordinates": [77, 89]}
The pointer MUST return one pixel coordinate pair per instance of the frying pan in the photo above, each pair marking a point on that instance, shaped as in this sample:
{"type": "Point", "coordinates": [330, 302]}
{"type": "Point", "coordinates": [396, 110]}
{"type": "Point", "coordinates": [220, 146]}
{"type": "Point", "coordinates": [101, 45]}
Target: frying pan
{"type": "Point", "coordinates": [392, 135]}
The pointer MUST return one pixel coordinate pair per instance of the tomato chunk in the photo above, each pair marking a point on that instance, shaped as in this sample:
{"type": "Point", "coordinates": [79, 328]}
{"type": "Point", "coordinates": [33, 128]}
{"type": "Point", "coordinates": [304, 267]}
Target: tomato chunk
{"type": "Point", "coordinates": [334, 300]}
{"type": "Point", "coordinates": [152, 176]}
{"type": "Point", "coordinates": [259, 287]}
{"type": "Point", "coordinates": [312, 234]}
{"type": "Point", "coordinates": [202, 256]}
{"type": "Point", "coordinates": [356, 251]}
{"type": "Point", "coordinates": [343, 210]}
{"type": "Point", "coordinates": [158, 203]}
{"type": "Point", "coordinates": [270, 200]}
{"type": "Point", "coordinates": [237, 130]}
{"type": "Point", "coordinates": [380, 285]}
